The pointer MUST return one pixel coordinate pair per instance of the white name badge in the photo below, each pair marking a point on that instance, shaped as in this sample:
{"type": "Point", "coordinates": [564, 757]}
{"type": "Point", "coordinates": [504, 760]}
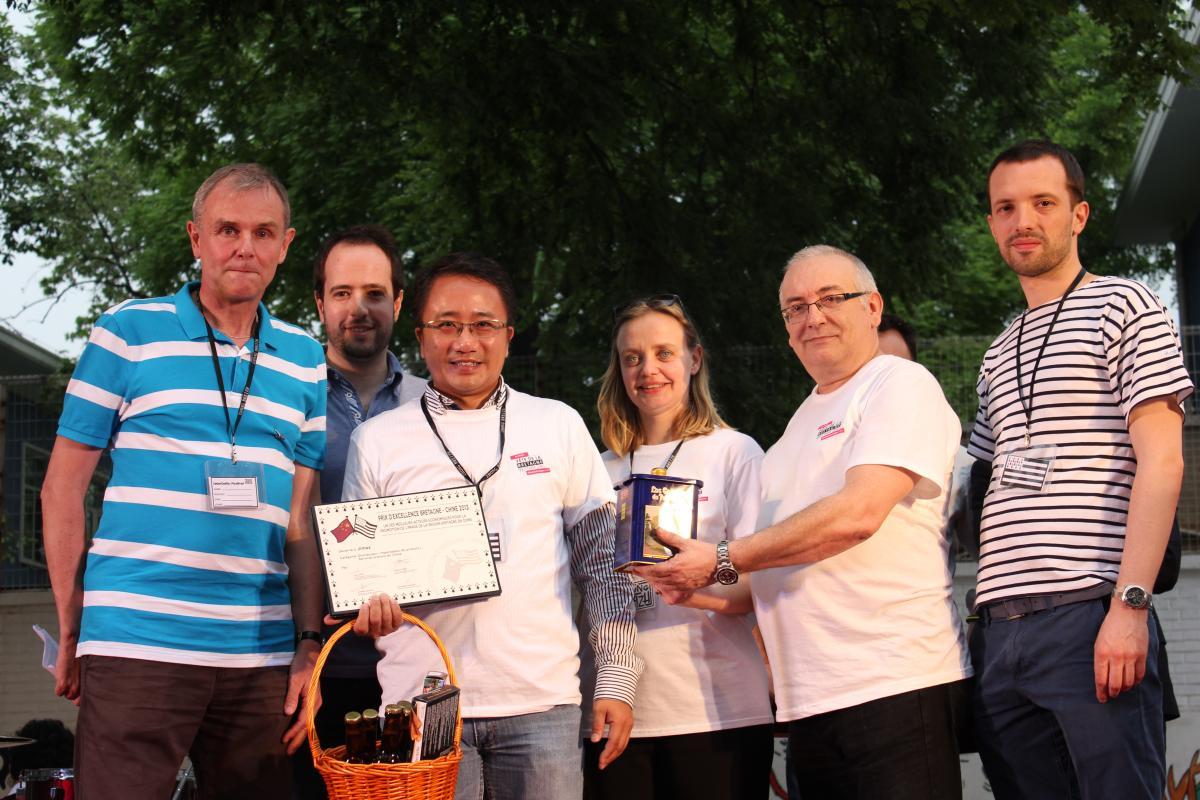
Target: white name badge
{"type": "Point", "coordinates": [1027, 469]}
{"type": "Point", "coordinates": [233, 485]}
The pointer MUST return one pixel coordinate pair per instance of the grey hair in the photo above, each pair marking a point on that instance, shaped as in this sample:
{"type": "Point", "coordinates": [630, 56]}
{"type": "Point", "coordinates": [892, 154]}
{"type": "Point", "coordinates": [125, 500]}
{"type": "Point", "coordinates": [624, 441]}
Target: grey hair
{"type": "Point", "coordinates": [244, 176]}
{"type": "Point", "coordinates": [864, 278]}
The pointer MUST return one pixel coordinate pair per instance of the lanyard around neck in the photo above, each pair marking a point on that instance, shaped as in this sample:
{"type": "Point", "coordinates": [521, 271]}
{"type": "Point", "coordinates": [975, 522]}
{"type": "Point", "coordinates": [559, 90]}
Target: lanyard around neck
{"type": "Point", "coordinates": [450, 455]}
{"type": "Point", "coordinates": [231, 426]}
{"type": "Point", "coordinates": [1027, 405]}
{"type": "Point", "coordinates": [666, 465]}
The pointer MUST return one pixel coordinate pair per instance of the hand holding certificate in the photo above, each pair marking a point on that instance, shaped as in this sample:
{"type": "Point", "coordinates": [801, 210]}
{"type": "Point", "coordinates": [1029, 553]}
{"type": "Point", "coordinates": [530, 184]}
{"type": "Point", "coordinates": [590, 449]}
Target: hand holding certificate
{"type": "Point", "coordinates": [417, 548]}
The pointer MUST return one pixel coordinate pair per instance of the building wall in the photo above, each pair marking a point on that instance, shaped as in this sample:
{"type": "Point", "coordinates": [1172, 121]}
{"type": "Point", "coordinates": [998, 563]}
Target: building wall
{"type": "Point", "coordinates": [27, 690]}
{"type": "Point", "coordinates": [1187, 274]}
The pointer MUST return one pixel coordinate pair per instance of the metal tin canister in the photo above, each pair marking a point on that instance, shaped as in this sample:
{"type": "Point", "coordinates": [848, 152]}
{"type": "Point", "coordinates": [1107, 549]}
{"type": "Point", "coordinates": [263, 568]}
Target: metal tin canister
{"type": "Point", "coordinates": [646, 502]}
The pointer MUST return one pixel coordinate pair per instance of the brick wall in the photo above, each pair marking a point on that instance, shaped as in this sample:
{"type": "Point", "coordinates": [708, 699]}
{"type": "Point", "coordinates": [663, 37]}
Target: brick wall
{"type": "Point", "coordinates": [27, 690]}
{"type": "Point", "coordinates": [1179, 611]}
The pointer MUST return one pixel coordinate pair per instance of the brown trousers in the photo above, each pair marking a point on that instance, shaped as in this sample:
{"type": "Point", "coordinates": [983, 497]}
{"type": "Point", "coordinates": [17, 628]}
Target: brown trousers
{"type": "Point", "coordinates": [138, 719]}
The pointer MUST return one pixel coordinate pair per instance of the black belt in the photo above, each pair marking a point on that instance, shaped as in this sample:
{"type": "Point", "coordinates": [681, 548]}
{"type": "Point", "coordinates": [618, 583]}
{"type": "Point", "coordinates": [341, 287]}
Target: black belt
{"type": "Point", "coordinates": [1017, 607]}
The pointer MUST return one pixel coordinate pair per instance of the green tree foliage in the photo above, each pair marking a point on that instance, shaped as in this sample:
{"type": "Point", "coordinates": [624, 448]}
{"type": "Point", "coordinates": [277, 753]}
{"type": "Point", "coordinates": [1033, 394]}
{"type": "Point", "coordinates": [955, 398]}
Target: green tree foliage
{"type": "Point", "coordinates": [600, 150]}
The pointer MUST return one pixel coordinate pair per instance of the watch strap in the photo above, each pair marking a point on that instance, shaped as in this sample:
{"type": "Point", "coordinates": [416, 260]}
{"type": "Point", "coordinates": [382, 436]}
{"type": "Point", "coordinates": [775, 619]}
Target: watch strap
{"type": "Point", "coordinates": [1133, 596]}
{"type": "Point", "coordinates": [725, 574]}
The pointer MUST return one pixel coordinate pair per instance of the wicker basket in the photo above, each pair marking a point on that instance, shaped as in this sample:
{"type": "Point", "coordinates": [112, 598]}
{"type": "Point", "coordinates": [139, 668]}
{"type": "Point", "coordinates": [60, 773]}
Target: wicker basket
{"type": "Point", "coordinates": [421, 780]}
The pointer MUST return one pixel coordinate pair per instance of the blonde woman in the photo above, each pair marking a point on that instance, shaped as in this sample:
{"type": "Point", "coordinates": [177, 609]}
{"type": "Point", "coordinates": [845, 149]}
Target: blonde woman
{"type": "Point", "coordinates": [702, 718]}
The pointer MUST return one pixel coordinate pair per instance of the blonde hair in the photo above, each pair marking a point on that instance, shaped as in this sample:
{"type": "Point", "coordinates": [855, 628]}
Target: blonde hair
{"type": "Point", "coordinates": [620, 424]}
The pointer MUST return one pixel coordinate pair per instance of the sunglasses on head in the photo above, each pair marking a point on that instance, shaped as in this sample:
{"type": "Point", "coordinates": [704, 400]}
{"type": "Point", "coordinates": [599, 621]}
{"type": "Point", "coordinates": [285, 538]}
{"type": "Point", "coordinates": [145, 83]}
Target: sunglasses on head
{"type": "Point", "coordinates": [654, 301]}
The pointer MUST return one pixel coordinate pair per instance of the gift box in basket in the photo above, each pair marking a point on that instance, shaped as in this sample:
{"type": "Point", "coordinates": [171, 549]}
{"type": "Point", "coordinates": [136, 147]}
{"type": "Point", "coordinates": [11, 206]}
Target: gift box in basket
{"type": "Point", "coordinates": [436, 751]}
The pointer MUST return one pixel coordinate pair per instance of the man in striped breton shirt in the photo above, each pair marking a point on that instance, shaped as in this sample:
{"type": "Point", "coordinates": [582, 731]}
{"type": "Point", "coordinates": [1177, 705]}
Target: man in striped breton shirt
{"type": "Point", "coordinates": [203, 567]}
{"type": "Point", "coordinates": [1080, 414]}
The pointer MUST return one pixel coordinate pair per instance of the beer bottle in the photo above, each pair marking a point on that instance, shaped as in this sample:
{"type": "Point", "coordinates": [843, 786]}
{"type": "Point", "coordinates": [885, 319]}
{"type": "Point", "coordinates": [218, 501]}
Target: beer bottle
{"type": "Point", "coordinates": [354, 738]}
{"type": "Point", "coordinates": [370, 734]}
{"type": "Point", "coordinates": [396, 747]}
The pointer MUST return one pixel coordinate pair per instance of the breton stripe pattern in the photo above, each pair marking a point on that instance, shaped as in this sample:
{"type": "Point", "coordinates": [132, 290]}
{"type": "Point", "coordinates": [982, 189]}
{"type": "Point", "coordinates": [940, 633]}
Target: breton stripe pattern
{"type": "Point", "coordinates": [168, 578]}
{"type": "Point", "coordinates": [608, 601]}
{"type": "Point", "coordinates": [439, 404]}
{"type": "Point", "coordinates": [1113, 347]}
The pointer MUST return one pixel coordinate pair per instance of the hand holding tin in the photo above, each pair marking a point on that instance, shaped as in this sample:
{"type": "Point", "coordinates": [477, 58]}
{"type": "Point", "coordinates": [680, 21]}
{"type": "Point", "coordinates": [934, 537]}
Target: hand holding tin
{"type": "Point", "coordinates": [694, 564]}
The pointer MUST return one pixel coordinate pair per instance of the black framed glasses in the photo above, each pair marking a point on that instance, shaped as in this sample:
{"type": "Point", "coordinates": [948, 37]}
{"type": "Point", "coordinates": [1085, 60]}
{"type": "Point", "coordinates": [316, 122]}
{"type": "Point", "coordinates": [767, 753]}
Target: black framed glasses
{"type": "Point", "coordinates": [798, 312]}
{"type": "Point", "coordinates": [452, 329]}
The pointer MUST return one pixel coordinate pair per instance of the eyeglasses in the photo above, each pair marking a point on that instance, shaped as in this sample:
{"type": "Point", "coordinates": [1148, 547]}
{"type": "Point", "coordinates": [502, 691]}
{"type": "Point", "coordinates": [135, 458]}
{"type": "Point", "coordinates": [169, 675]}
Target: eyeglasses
{"type": "Point", "coordinates": [654, 301]}
{"type": "Point", "coordinates": [452, 329]}
{"type": "Point", "coordinates": [798, 312]}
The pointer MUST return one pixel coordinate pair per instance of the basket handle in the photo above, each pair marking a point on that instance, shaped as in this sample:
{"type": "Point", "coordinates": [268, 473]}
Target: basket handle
{"type": "Point", "coordinates": [314, 681]}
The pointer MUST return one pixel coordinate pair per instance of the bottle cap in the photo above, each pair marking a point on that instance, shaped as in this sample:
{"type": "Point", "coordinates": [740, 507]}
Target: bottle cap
{"type": "Point", "coordinates": [353, 716]}
{"type": "Point", "coordinates": [370, 713]}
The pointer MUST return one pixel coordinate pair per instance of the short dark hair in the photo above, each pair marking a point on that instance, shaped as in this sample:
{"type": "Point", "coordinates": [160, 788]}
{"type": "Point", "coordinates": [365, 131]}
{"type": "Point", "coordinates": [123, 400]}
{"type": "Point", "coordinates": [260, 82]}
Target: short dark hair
{"type": "Point", "coordinates": [890, 322]}
{"type": "Point", "coordinates": [469, 265]}
{"type": "Point", "coordinates": [53, 748]}
{"type": "Point", "coordinates": [376, 235]}
{"type": "Point", "coordinates": [1032, 150]}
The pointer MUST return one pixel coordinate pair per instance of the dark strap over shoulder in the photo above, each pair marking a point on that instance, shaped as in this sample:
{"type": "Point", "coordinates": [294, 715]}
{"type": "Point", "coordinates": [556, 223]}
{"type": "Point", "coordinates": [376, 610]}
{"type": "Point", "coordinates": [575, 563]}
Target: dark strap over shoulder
{"type": "Point", "coordinates": [1168, 573]}
{"type": "Point", "coordinates": [977, 485]}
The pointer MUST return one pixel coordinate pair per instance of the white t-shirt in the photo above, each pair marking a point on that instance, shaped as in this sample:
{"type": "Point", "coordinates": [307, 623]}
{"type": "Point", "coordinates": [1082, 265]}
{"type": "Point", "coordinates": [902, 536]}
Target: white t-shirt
{"type": "Point", "coordinates": [877, 619]}
{"type": "Point", "coordinates": [703, 670]}
{"type": "Point", "coordinates": [515, 653]}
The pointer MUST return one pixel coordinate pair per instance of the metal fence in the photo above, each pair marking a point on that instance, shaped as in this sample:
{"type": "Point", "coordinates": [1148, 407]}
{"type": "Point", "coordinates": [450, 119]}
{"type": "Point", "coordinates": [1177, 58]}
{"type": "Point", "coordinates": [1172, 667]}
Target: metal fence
{"type": "Point", "coordinates": [757, 388]}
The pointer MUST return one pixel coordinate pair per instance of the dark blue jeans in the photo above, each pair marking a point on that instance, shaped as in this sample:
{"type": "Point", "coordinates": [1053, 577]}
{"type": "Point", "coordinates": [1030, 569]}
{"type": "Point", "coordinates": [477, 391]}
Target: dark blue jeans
{"type": "Point", "coordinates": [1041, 732]}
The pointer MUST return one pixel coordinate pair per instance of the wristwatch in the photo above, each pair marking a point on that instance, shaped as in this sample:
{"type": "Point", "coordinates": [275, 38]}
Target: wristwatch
{"type": "Point", "coordinates": [1133, 596]}
{"type": "Point", "coordinates": [726, 574]}
{"type": "Point", "coordinates": [313, 635]}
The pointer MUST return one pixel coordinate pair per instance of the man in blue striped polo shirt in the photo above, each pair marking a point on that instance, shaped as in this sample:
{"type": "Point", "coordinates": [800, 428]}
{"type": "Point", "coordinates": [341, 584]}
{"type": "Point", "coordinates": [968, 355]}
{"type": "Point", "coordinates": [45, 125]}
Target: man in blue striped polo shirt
{"type": "Point", "coordinates": [178, 633]}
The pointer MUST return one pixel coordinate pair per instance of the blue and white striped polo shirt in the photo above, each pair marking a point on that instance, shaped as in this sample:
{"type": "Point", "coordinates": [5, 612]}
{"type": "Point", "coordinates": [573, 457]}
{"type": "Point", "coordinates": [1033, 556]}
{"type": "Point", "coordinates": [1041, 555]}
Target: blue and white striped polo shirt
{"type": "Point", "coordinates": [167, 579]}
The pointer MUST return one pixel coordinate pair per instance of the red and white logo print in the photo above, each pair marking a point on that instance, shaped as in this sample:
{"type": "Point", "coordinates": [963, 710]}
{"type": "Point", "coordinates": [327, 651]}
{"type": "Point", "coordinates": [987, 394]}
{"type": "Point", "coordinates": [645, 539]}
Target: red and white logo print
{"type": "Point", "coordinates": [827, 430]}
{"type": "Point", "coordinates": [529, 464]}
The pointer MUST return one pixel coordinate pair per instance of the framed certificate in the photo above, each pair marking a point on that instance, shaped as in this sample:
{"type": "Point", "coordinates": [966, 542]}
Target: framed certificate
{"type": "Point", "coordinates": [425, 547]}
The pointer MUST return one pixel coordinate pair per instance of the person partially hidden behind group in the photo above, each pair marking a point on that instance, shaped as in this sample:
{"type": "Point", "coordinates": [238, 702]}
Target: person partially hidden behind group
{"type": "Point", "coordinates": [702, 717]}
{"type": "Point", "coordinates": [53, 747]}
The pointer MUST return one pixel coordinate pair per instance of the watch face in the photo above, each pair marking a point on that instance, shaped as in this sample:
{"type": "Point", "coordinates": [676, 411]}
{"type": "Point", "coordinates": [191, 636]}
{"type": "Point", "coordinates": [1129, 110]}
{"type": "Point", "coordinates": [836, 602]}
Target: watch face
{"type": "Point", "coordinates": [727, 576]}
{"type": "Point", "coordinates": [1135, 597]}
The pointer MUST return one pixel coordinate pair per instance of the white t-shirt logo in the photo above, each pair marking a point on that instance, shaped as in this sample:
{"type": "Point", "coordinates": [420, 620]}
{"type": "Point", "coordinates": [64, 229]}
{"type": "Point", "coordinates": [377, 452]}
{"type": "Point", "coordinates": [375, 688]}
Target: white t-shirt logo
{"type": "Point", "coordinates": [529, 464]}
{"type": "Point", "coordinates": [827, 430]}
